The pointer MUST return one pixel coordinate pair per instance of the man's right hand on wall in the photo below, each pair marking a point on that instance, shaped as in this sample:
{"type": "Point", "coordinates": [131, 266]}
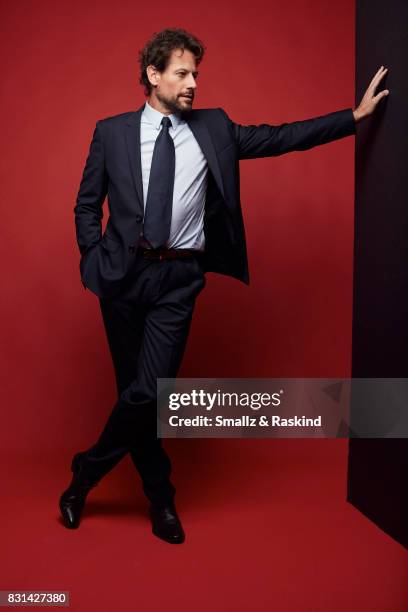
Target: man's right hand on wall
{"type": "Point", "coordinates": [370, 100]}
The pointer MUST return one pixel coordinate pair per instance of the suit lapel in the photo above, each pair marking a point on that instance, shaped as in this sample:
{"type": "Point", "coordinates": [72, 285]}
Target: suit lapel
{"type": "Point", "coordinates": [201, 133]}
{"type": "Point", "coordinates": [203, 137]}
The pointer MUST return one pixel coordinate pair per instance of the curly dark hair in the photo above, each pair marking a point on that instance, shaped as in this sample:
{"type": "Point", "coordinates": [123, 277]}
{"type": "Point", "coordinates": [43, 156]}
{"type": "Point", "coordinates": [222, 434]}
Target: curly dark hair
{"type": "Point", "coordinates": [158, 49]}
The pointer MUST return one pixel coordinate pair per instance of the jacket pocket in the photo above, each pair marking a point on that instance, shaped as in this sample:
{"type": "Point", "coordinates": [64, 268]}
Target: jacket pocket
{"type": "Point", "coordinates": [109, 243]}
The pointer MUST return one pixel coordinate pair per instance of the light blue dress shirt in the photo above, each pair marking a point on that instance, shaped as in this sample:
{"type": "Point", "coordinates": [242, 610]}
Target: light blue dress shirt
{"type": "Point", "coordinates": [190, 180]}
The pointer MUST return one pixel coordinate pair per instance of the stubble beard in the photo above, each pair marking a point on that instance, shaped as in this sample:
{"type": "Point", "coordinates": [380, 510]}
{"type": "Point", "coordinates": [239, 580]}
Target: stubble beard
{"type": "Point", "coordinates": [173, 105]}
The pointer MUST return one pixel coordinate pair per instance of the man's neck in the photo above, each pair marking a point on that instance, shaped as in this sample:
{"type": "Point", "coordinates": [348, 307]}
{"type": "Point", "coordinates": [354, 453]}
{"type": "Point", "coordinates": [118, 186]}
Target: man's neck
{"type": "Point", "coordinates": [157, 105]}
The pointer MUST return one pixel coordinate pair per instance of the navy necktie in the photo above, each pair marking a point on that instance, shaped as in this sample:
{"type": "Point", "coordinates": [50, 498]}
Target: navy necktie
{"type": "Point", "coordinates": [159, 199]}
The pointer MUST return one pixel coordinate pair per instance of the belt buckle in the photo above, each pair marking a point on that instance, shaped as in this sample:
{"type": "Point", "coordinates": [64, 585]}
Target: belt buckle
{"type": "Point", "coordinates": [148, 253]}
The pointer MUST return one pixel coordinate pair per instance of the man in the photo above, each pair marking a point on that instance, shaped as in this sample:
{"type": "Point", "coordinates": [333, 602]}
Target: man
{"type": "Point", "coordinates": [171, 174]}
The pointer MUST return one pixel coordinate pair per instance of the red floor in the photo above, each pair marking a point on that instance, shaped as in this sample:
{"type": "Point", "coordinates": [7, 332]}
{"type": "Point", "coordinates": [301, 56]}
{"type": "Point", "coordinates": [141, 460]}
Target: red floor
{"type": "Point", "coordinates": [267, 528]}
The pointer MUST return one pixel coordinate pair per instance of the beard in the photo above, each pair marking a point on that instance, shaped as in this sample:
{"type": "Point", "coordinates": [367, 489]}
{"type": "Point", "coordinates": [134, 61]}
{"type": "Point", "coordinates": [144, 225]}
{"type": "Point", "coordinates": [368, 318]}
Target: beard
{"type": "Point", "coordinates": [173, 104]}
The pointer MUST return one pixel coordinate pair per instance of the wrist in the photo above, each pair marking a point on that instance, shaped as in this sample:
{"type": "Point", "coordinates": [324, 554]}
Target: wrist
{"type": "Point", "coordinates": [357, 115]}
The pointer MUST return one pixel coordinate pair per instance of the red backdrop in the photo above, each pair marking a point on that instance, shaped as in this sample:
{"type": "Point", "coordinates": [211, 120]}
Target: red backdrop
{"type": "Point", "coordinates": [70, 64]}
{"type": "Point", "coordinates": [267, 523]}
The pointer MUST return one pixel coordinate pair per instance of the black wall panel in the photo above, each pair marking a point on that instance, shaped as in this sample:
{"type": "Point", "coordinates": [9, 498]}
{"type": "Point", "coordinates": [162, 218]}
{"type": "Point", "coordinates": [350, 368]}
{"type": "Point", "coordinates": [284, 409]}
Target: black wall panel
{"type": "Point", "coordinates": [378, 468]}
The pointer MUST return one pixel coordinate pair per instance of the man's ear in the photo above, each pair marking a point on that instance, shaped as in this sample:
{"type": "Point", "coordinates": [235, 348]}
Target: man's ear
{"type": "Point", "coordinates": [153, 75]}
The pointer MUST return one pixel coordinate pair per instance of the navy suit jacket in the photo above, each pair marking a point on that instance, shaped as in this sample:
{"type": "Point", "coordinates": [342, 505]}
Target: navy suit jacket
{"type": "Point", "coordinates": [113, 169]}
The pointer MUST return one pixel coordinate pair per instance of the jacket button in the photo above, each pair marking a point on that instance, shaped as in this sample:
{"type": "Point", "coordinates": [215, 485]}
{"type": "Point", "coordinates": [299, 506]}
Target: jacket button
{"type": "Point", "coordinates": [131, 248]}
{"type": "Point", "coordinates": [139, 218]}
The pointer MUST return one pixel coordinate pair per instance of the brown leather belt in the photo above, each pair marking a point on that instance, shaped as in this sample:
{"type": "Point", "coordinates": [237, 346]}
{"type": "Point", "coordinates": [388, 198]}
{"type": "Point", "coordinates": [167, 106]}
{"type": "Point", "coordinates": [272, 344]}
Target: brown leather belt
{"type": "Point", "coordinates": [161, 254]}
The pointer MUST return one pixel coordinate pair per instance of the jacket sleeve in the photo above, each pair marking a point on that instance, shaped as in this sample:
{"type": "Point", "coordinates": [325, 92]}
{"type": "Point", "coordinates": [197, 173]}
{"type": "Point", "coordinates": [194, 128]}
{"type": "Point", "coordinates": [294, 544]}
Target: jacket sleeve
{"type": "Point", "coordinates": [91, 196]}
{"type": "Point", "coordinates": [269, 140]}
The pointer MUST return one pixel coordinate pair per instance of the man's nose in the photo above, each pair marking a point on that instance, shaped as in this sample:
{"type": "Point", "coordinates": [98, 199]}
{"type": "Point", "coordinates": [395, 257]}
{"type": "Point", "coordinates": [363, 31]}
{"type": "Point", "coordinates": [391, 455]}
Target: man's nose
{"type": "Point", "coordinates": [191, 82]}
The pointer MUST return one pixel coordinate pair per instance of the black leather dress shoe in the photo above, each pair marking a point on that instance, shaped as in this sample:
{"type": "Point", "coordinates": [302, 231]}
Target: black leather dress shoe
{"type": "Point", "coordinates": [72, 501]}
{"type": "Point", "coordinates": [166, 524]}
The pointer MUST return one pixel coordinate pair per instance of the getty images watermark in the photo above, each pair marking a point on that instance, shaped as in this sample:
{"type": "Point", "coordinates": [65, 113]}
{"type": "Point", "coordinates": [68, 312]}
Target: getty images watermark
{"type": "Point", "coordinates": [256, 408]}
{"type": "Point", "coordinates": [255, 401]}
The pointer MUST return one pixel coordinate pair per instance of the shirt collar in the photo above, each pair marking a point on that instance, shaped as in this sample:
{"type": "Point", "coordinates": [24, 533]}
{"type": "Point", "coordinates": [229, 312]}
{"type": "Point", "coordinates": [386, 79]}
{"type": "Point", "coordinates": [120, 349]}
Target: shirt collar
{"type": "Point", "coordinates": [154, 117]}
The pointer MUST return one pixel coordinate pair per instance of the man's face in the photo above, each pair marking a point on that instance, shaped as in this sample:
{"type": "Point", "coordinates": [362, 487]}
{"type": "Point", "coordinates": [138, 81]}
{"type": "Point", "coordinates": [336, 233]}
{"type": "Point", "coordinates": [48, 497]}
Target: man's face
{"type": "Point", "coordinates": [175, 87]}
